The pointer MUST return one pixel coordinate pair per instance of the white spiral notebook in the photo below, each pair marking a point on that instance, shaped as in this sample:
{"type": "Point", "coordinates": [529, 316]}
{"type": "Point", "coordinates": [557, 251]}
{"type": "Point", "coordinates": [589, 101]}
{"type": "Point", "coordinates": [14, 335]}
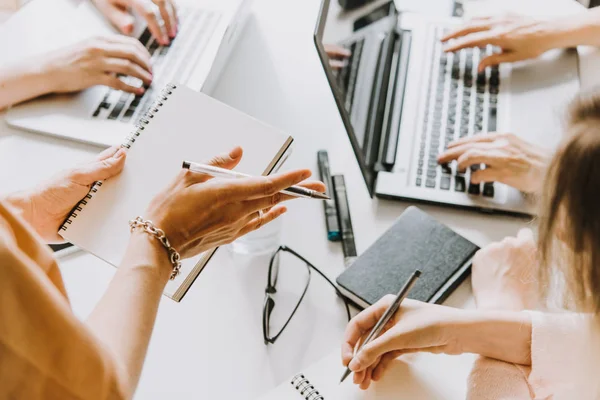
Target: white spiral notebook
{"type": "Point", "coordinates": [412, 377]}
{"type": "Point", "coordinates": [181, 125]}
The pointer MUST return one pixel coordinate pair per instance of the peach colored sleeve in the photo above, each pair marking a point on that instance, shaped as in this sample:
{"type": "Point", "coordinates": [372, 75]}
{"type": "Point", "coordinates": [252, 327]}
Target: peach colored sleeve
{"type": "Point", "coordinates": [45, 351]}
{"type": "Point", "coordinates": [498, 380]}
{"type": "Point", "coordinates": [565, 350]}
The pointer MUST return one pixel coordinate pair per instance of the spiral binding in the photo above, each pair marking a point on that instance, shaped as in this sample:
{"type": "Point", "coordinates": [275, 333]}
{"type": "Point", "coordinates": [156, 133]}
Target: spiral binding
{"type": "Point", "coordinates": [304, 387]}
{"type": "Point", "coordinates": [129, 140]}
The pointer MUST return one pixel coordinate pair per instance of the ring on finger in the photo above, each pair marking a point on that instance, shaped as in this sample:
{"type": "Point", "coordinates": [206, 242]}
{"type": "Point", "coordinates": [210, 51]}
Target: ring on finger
{"type": "Point", "coordinates": [260, 218]}
{"type": "Point", "coordinates": [158, 15]}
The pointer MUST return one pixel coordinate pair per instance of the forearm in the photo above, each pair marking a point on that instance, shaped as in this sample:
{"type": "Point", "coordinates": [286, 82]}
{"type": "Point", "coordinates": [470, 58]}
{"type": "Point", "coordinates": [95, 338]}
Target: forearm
{"type": "Point", "coordinates": [575, 30]}
{"type": "Point", "coordinates": [21, 204]}
{"type": "Point", "coordinates": [23, 81]}
{"type": "Point", "coordinates": [125, 316]}
{"type": "Point", "coordinates": [502, 335]}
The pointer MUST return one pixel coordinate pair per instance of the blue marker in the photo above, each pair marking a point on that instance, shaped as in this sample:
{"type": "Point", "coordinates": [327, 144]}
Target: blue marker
{"type": "Point", "coordinates": [331, 219]}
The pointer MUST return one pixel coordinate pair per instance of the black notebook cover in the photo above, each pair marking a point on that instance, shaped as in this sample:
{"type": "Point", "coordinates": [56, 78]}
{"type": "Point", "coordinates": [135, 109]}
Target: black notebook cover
{"type": "Point", "coordinates": [415, 241]}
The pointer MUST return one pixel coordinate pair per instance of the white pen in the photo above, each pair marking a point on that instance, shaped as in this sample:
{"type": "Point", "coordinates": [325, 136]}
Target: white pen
{"type": "Point", "coordinates": [296, 191]}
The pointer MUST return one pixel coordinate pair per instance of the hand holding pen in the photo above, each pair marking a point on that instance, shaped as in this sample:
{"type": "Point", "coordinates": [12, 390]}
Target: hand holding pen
{"type": "Point", "coordinates": [198, 213]}
{"type": "Point", "coordinates": [366, 329]}
{"type": "Point", "coordinates": [217, 172]}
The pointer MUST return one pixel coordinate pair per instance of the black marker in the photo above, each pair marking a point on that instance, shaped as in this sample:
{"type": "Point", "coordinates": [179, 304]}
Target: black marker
{"type": "Point", "coordinates": [345, 221]}
{"type": "Point", "coordinates": [331, 219]}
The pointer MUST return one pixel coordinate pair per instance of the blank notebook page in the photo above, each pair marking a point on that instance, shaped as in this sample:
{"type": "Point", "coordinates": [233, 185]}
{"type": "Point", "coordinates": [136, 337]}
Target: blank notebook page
{"type": "Point", "coordinates": [188, 126]}
{"type": "Point", "coordinates": [412, 377]}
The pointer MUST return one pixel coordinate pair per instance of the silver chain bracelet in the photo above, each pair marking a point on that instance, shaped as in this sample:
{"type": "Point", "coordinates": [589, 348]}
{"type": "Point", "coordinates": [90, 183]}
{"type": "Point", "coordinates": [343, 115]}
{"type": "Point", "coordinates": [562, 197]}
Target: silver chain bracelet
{"type": "Point", "coordinates": [149, 227]}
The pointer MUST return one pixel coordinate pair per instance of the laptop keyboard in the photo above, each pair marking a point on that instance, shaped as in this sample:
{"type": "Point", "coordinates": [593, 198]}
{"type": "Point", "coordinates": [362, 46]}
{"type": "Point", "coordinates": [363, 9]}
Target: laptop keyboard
{"type": "Point", "coordinates": [460, 103]}
{"type": "Point", "coordinates": [196, 27]}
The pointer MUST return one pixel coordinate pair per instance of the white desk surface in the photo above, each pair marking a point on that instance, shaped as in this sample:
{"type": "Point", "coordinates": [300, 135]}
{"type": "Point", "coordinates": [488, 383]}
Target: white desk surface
{"type": "Point", "coordinates": [210, 345]}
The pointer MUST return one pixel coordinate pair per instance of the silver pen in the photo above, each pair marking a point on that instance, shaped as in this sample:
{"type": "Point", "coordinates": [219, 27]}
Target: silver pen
{"type": "Point", "coordinates": [296, 191]}
{"type": "Point", "coordinates": [387, 315]}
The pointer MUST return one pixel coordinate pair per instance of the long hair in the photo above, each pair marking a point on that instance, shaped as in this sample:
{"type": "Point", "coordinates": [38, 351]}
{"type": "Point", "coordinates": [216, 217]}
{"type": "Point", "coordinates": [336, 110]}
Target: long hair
{"type": "Point", "coordinates": [569, 231]}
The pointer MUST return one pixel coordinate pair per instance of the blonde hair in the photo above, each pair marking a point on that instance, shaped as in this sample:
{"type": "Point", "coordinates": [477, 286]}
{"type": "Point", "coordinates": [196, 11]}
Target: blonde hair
{"type": "Point", "coordinates": [569, 232]}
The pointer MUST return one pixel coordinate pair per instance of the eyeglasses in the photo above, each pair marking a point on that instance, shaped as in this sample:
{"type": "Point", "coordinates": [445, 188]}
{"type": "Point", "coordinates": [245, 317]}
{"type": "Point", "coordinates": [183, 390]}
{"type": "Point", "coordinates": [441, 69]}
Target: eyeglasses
{"type": "Point", "coordinates": [270, 291]}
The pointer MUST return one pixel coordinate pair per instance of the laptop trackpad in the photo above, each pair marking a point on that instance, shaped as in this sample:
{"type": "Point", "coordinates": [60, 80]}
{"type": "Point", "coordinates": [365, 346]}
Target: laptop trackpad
{"type": "Point", "coordinates": [539, 92]}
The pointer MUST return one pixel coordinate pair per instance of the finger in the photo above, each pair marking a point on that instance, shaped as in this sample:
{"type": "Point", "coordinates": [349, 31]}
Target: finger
{"type": "Point", "coordinates": [173, 18]}
{"type": "Point", "coordinates": [267, 217]}
{"type": "Point", "coordinates": [455, 153]}
{"type": "Point", "coordinates": [99, 170]}
{"type": "Point", "coordinates": [146, 9]}
{"type": "Point", "coordinates": [127, 50]}
{"type": "Point", "coordinates": [525, 233]}
{"type": "Point", "coordinates": [163, 7]}
{"type": "Point", "coordinates": [485, 175]}
{"type": "Point", "coordinates": [126, 67]}
{"type": "Point", "coordinates": [383, 365]}
{"type": "Point", "coordinates": [490, 137]}
{"type": "Point", "coordinates": [499, 58]}
{"type": "Point", "coordinates": [373, 350]}
{"type": "Point", "coordinates": [430, 349]}
{"type": "Point", "coordinates": [337, 51]}
{"type": "Point", "coordinates": [226, 160]}
{"type": "Point", "coordinates": [115, 83]}
{"type": "Point", "coordinates": [451, 154]}
{"type": "Point", "coordinates": [257, 187]}
{"type": "Point", "coordinates": [475, 156]}
{"type": "Point", "coordinates": [107, 153]}
{"type": "Point", "coordinates": [337, 64]}
{"type": "Point", "coordinates": [119, 16]}
{"type": "Point", "coordinates": [317, 186]}
{"type": "Point", "coordinates": [129, 41]}
{"type": "Point", "coordinates": [361, 325]}
{"type": "Point", "coordinates": [367, 380]}
{"type": "Point", "coordinates": [483, 18]}
{"type": "Point", "coordinates": [358, 377]}
{"type": "Point", "coordinates": [263, 203]}
{"type": "Point", "coordinates": [467, 29]}
{"type": "Point", "coordinates": [478, 39]}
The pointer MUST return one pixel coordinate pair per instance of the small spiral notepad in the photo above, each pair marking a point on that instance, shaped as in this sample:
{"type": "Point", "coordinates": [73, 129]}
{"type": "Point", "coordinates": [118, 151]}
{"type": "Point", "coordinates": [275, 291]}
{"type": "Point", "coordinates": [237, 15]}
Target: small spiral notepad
{"type": "Point", "coordinates": [307, 390]}
{"type": "Point", "coordinates": [180, 125]}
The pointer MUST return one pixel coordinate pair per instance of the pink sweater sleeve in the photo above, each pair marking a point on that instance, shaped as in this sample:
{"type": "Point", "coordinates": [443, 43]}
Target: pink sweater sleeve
{"type": "Point", "coordinates": [565, 352]}
{"type": "Point", "coordinates": [565, 349]}
{"type": "Point", "coordinates": [497, 380]}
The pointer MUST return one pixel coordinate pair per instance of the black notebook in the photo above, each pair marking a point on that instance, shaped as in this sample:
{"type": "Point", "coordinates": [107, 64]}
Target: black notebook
{"type": "Point", "coordinates": [415, 241]}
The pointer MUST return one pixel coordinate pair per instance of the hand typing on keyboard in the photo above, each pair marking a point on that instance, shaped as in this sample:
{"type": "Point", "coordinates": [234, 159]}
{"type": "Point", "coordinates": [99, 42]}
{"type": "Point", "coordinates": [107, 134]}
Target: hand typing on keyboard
{"type": "Point", "coordinates": [160, 15]}
{"type": "Point", "coordinates": [508, 159]}
{"type": "Point", "coordinates": [338, 56]}
{"type": "Point", "coordinates": [98, 61]}
{"type": "Point", "coordinates": [518, 37]}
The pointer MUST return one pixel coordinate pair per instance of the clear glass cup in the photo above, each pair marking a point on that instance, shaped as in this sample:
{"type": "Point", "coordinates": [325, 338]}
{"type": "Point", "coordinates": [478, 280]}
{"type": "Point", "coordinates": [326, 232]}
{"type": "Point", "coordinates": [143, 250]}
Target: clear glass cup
{"type": "Point", "coordinates": [264, 240]}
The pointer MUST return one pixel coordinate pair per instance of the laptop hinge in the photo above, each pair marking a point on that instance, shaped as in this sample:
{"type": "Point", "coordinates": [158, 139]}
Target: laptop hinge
{"type": "Point", "coordinates": [394, 101]}
{"type": "Point", "coordinates": [378, 98]}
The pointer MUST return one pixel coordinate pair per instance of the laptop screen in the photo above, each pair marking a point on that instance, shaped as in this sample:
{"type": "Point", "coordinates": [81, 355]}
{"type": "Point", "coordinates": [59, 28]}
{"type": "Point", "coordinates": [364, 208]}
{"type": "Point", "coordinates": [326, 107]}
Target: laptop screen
{"type": "Point", "coordinates": [353, 61]}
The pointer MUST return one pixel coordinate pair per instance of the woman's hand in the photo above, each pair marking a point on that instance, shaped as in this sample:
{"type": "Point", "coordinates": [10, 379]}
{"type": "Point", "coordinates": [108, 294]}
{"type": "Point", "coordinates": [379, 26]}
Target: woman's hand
{"type": "Point", "coordinates": [504, 274]}
{"type": "Point", "coordinates": [198, 213]}
{"type": "Point", "coordinates": [338, 55]}
{"type": "Point", "coordinates": [424, 327]}
{"type": "Point", "coordinates": [119, 14]}
{"type": "Point", "coordinates": [98, 61]}
{"type": "Point", "coordinates": [508, 159]}
{"type": "Point", "coordinates": [416, 327]}
{"type": "Point", "coordinates": [47, 206]}
{"type": "Point", "coordinates": [518, 37]}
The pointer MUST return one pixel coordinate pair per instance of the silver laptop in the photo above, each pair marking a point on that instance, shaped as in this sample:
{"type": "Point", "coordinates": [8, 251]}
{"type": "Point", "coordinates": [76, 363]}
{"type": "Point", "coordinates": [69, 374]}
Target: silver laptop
{"type": "Point", "coordinates": [104, 116]}
{"type": "Point", "coordinates": [402, 100]}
